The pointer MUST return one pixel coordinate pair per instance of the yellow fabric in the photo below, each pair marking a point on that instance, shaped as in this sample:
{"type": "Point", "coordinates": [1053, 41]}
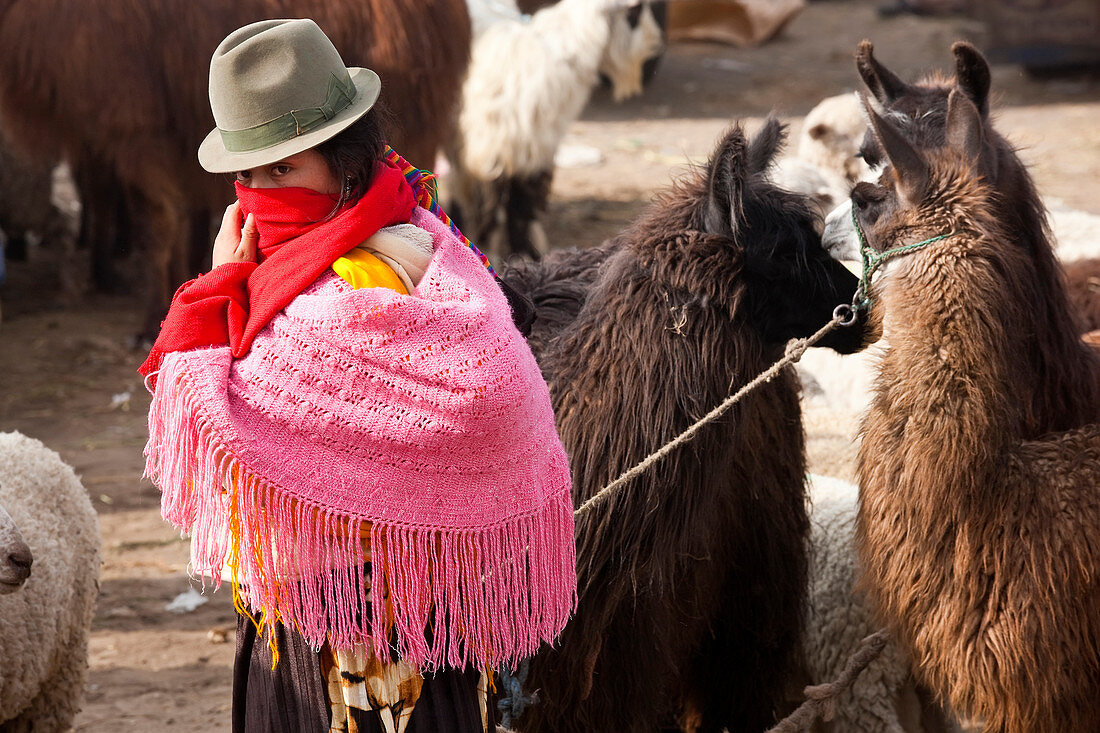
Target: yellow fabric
{"type": "Point", "coordinates": [361, 269]}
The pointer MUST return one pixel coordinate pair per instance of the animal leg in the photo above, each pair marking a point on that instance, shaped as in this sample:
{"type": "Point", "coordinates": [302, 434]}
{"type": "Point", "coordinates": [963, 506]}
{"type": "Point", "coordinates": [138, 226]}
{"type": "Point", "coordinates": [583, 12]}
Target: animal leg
{"type": "Point", "coordinates": [104, 224]}
{"type": "Point", "coordinates": [164, 227]}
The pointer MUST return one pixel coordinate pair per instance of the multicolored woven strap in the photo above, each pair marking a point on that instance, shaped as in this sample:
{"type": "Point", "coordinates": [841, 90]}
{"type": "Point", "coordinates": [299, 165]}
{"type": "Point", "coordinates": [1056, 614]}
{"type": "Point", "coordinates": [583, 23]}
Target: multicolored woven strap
{"type": "Point", "coordinates": [423, 184]}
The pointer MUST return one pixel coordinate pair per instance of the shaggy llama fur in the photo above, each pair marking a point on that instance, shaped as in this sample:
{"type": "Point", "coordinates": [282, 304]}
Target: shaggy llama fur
{"type": "Point", "coordinates": [980, 462]}
{"type": "Point", "coordinates": [44, 625]}
{"type": "Point", "coordinates": [692, 577]}
{"type": "Point", "coordinates": [61, 62]}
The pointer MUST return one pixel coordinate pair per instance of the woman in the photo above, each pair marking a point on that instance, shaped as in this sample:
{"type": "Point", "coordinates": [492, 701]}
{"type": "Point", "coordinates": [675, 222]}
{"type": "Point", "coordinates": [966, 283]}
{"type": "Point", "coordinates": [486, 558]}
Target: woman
{"type": "Point", "coordinates": [345, 417]}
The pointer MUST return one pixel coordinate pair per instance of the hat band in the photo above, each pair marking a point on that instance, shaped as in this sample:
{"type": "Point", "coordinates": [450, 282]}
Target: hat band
{"type": "Point", "coordinates": [341, 93]}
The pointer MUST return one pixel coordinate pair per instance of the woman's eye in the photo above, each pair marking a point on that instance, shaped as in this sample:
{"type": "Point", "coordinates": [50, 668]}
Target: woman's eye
{"type": "Point", "coordinates": [243, 176]}
{"type": "Point", "coordinates": [280, 170]}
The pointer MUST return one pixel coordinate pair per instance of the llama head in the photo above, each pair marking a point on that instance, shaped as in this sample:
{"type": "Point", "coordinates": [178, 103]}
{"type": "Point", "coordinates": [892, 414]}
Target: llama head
{"type": "Point", "coordinates": [15, 556]}
{"type": "Point", "coordinates": [922, 107]}
{"type": "Point", "coordinates": [791, 284]}
{"type": "Point", "coordinates": [923, 193]}
{"type": "Point", "coordinates": [919, 112]}
{"type": "Point", "coordinates": [635, 37]}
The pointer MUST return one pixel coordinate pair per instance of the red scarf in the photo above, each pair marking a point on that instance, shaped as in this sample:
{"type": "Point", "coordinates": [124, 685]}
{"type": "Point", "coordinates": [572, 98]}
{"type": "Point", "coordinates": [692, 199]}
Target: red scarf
{"type": "Point", "coordinates": [233, 302]}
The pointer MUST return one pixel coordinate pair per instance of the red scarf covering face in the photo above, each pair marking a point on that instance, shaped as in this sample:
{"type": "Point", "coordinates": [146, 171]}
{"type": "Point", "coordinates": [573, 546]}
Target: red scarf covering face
{"type": "Point", "coordinates": [299, 240]}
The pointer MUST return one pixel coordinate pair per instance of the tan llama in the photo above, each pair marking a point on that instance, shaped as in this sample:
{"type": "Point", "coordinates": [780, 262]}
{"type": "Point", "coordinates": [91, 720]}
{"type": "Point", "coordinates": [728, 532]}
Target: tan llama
{"type": "Point", "coordinates": [980, 540]}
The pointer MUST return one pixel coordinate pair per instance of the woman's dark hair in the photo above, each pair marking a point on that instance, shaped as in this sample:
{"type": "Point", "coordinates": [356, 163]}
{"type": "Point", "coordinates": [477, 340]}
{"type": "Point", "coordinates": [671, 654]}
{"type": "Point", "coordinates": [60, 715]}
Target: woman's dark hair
{"type": "Point", "coordinates": [353, 154]}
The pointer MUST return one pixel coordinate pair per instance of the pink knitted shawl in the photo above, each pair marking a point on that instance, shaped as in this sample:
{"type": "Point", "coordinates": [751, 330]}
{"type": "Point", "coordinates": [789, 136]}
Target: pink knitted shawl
{"type": "Point", "coordinates": [421, 420]}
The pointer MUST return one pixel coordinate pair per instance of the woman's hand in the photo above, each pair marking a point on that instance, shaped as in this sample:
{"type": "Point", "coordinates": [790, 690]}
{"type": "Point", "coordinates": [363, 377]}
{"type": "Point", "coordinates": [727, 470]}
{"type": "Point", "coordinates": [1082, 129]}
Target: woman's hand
{"type": "Point", "coordinates": [235, 242]}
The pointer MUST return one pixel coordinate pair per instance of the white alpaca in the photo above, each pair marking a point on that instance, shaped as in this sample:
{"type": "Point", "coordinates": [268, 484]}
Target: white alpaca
{"type": "Point", "coordinates": [528, 81]}
{"type": "Point", "coordinates": [44, 624]}
{"type": "Point", "coordinates": [831, 135]}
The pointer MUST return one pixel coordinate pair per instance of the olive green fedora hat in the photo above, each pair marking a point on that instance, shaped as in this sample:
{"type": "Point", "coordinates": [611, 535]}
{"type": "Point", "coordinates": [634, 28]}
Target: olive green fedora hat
{"type": "Point", "coordinates": [278, 87]}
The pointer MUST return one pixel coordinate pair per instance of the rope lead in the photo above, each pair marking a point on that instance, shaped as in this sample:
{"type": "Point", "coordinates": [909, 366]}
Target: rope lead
{"type": "Point", "coordinates": [795, 349]}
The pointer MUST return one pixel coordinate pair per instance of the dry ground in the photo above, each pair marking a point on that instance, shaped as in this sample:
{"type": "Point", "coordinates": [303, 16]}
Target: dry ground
{"type": "Point", "coordinates": [68, 376]}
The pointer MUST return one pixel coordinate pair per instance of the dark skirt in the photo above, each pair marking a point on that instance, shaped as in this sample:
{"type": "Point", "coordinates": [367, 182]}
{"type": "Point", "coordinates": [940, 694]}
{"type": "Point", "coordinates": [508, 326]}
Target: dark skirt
{"type": "Point", "coordinates": [295, 696]}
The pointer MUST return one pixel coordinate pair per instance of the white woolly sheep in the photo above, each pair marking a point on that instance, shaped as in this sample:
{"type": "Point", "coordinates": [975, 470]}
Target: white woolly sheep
{"type": "Point", "coordinates": [44, 625]}
{"type": "Point", "coordinates": [528, 81]}
{"type": "Point", "coordinates": [884, 697]}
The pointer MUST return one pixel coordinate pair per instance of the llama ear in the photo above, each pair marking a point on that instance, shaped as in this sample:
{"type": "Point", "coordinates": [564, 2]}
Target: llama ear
{"type": "Point", "coordinates": [910, 169]}
{"type": "Point", "coordinates": [972, 75]}
{"type": "Point", "coordinates": [883, 83]}
{"type": "Point", "coordinates": [964, 125]}
{"type": "Point", "coordinates": [725, 180]}
{"type": "Point", "coordinates": [765, 145]}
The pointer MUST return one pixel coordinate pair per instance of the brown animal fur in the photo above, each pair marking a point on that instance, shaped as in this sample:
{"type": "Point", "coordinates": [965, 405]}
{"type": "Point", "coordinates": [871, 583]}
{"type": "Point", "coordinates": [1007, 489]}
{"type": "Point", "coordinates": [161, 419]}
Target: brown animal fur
{"type": "Point", "coordinates": [121, 86]}
{"type": "Point", "coordinates": [27, 208]}
{"type": "Point", "coordinates": [1083, 287]}
{"type": "Point", "coordinates": [691, 578]}
{"type": "Point", "coordinates": [979, 524]}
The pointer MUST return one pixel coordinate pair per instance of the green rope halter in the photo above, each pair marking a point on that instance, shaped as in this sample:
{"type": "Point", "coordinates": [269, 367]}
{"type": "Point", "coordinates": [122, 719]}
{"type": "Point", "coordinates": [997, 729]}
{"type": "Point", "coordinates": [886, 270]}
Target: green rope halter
{"type": "Point", "coordinates": [872, 260]}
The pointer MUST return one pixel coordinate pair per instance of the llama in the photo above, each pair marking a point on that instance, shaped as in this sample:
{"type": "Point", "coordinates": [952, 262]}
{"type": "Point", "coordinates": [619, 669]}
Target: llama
{"type": "Point", "coordinates": [119, 88]}
{"type": "Point", "coordinates": [826, 164]}
{"type": "Point", "coordinates": [691, 579]}
{"type": "Point", "coordinates": [979, 468]}
{"type": "Point", "coordinates": [832, 133]}
{"type": "Point", "coordinates": [529, 79]}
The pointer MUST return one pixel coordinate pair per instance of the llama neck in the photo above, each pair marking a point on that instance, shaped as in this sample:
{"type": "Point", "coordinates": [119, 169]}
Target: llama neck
{"type": "Point", "coordinates": [952, 393]}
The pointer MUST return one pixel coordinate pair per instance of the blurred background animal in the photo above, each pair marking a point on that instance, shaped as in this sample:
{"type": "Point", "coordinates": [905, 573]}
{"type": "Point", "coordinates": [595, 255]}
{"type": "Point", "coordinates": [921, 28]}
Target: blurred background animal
{"type": "Point", "coordinates": [118, 88]}
{"type": "Point", "coordinates": [530, 77]}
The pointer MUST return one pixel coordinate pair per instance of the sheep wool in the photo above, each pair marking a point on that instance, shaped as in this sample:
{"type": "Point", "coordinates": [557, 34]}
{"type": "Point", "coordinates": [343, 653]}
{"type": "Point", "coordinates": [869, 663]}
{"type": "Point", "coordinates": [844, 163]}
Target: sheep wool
{"type": "Point", "coordinates": [420, 421]}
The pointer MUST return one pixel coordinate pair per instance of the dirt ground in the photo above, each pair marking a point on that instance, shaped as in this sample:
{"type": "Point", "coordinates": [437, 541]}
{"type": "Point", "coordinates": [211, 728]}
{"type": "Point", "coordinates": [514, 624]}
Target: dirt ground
{"type": "Point", "coordinates": [68, 373]}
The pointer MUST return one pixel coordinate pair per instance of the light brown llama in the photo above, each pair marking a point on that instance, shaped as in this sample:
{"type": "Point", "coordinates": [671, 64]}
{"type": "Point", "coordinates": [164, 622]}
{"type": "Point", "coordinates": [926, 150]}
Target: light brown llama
{"type": "Point", "coordinates": [980, 541]}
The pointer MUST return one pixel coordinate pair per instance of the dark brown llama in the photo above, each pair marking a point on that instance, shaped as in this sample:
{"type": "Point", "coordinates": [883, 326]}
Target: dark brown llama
{"type": "Point", "coordinates": [979, 521]}
{"type": "Point", "coordinates": [692, 577]}
{"type": "Point", "coordinates": [119, 87]}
